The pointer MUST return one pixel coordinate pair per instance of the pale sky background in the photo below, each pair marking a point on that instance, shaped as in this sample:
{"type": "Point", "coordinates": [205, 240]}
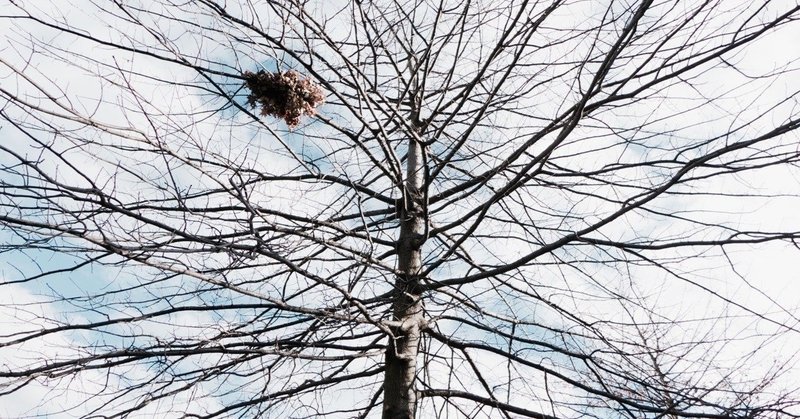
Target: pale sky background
{"type": "Point", "coordinates": [771, 269]}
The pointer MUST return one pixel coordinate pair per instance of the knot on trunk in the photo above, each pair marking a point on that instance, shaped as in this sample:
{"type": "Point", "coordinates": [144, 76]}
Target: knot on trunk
{"type": "Point", "coordinates": [413, 241]}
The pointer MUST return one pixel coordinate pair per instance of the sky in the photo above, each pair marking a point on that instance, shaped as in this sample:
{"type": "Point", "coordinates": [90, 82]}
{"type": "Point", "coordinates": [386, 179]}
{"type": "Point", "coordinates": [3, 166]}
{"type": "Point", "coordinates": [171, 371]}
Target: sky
{"type": "Point", "coordinates": [764, 279]}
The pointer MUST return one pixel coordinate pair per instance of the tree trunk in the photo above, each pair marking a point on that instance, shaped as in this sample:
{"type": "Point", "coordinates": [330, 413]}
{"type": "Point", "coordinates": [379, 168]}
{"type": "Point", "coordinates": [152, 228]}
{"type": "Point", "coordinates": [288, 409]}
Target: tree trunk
{"type": "Point", "coordinates": [399, 394]}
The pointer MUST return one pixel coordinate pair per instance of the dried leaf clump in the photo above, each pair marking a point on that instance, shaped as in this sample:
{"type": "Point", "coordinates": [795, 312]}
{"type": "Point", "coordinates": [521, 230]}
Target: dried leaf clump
{"type": "Point", "coordinates": [286, 95]}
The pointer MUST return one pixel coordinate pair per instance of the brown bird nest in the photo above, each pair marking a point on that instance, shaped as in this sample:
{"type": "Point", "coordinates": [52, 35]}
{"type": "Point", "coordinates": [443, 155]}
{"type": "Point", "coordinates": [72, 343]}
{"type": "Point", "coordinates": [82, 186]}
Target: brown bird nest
{"type": "Point", "coordinates": [286, 95]}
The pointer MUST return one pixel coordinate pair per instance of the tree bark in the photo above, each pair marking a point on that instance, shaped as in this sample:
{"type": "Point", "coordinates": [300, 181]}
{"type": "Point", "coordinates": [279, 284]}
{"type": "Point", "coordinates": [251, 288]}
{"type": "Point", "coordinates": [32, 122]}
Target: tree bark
{"type": "Point", "coordinates": [399, 394]}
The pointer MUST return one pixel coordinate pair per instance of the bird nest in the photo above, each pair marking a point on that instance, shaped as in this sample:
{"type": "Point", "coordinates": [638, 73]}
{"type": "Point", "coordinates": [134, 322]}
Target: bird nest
{"type": "Point", "coordinates": [286, 95]}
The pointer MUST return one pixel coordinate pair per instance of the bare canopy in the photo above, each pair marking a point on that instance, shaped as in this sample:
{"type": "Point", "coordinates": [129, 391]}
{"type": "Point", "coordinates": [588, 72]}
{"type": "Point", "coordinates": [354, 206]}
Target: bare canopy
{"type": "Point", "coordinates": [398, 208]}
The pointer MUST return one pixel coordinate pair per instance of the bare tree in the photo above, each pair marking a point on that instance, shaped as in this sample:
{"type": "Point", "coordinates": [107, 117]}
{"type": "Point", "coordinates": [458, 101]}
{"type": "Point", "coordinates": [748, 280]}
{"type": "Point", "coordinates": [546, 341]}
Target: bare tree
{"type": "Point", "coordinates": [403, 209]}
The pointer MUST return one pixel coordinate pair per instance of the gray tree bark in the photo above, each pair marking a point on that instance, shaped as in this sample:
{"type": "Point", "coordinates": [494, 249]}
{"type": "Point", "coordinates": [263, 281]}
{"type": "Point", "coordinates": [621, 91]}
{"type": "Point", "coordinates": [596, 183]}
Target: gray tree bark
{"type": "Point", "coordinates": [399, 394]}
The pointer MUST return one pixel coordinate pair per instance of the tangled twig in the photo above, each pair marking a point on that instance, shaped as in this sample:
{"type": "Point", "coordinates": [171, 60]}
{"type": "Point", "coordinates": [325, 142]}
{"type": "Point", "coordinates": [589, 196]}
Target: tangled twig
{"type": "Point", "coordinates": [286, 95]}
